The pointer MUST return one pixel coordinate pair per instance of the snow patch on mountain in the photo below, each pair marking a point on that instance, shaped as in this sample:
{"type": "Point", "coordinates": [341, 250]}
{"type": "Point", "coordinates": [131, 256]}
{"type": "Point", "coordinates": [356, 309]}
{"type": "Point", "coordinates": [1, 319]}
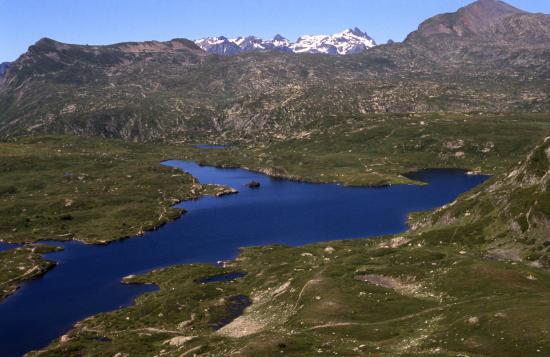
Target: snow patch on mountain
{"type": "Point", "coordinates": [347, 42]}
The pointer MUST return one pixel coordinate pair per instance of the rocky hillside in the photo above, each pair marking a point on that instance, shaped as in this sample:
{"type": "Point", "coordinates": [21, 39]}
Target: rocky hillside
{"type": "Point", "coordinates": [160, 90]}
{"type": "Point", "coordinates": [510, 214]}
{"type": "Point", "coordinates": [350, 41]}
{"type": "Point", "coordinates": [476, 19]}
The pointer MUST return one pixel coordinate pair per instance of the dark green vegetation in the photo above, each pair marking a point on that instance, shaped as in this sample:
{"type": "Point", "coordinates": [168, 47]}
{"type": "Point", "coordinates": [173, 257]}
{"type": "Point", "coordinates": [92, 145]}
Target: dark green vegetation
{"type": "Point", "coordinates": [93, 190]}
{"type": "Point", "coordinates": [174, 90]}
{"type": "Point", "coordinates": [20, 264]}
{"type": "Point", "coordinates": [379, 149]}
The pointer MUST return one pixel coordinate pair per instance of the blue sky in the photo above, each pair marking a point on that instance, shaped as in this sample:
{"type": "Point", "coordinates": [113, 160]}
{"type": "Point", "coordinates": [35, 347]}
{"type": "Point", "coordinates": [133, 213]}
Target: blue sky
{"type": "Point", "coordinates": [108, 21]}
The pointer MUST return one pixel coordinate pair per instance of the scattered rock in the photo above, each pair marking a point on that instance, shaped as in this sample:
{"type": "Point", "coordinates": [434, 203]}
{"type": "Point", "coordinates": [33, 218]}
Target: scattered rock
{"type": "Point", "coordinates": [394, 242]}
{"type": "Point", "coordinates": [455, 145]}
{"type": "Point", "coordinates": [474, 320]}
{"type": "Point", "coordinates": [253, 184]}
{"type": "Point", "coordinates": [179, 340]}
{"type": "Point", "coordinates": [182, 325]}
{"type": "Point", "coordinates": [223, 191]}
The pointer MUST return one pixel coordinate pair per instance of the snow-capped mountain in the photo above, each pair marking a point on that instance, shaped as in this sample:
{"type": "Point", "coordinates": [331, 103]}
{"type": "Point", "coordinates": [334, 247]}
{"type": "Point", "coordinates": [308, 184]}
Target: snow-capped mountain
{"type": "Point", "coordinates": [219, 45]}
{"type": "Point", "coordinates": [347, 42]}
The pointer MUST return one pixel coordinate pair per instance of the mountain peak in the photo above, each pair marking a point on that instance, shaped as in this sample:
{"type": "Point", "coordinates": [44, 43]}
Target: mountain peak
{"type": "Point", "coordinates": [490, 9]}
{"type": "Point", "coordinates": [352, 40]}
{"type": "Point", "coordinates": [474, 19]}
{"type": "Point", "coordinates": [356, 31]}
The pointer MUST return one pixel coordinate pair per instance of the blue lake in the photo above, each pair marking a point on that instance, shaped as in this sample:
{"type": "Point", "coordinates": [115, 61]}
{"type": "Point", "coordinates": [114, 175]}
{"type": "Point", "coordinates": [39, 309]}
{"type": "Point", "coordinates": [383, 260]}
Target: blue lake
{"type": "Point", "coordinates": [87, 278]}
{"type": "Point", "coordinates": [7, 246]}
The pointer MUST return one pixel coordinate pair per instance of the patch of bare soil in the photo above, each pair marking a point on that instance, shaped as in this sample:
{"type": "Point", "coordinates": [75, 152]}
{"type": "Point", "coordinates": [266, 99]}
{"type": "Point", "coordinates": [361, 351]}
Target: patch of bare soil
{"type": "Point", "coordinates": [269, 308]}
{"type": "Point", "coordinates": [394, 242]}
{"type": "Point", "coordinates": [401, 286]}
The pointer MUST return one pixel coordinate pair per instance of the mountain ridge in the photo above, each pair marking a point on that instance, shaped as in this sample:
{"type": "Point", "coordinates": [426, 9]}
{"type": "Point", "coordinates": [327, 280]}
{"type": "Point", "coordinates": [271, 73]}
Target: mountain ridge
{"type": "Point", "coordinates": [491, 20]}
{"type": "Point", "coordinates": [350, 41]}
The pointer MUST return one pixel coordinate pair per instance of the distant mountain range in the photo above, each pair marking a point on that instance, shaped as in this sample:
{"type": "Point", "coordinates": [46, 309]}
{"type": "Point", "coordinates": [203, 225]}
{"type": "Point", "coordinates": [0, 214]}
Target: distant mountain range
{"type": "Point", "coordinates": [4, 67]}
{"type": "Point", "coordinates": [347, 42]}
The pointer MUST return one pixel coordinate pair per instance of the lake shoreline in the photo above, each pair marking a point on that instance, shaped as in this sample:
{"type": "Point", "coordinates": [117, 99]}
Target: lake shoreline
{"type": "Point", "coordinates": [242, 176]}
{"type": "Point", "coordinates": [181, 212]}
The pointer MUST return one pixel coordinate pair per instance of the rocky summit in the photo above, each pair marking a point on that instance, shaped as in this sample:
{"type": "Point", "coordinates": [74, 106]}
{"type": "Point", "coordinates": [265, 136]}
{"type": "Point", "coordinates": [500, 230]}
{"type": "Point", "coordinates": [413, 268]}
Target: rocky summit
{"type": "Point", "coordinates": [488, 20]}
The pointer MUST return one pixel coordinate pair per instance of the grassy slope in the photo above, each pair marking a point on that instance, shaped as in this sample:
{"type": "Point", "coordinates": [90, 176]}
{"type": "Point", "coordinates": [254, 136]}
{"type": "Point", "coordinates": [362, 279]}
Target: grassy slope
{"type": "Point", "coordinates": [438, 290]}
{"type": "Point", "coordinates": [509, 215]}
{"type": "Point", "coordinates": [378, 149]}
{"type": "Point", "coordinates": [24, 263]}
{"type": "Point", "coordinates": [91, 190]}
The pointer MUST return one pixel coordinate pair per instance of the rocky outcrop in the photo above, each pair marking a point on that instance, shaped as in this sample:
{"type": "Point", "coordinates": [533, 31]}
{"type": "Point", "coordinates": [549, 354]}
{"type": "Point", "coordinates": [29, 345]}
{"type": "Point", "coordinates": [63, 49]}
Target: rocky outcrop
{"type": "Point", "coordinates": [253, 184]}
